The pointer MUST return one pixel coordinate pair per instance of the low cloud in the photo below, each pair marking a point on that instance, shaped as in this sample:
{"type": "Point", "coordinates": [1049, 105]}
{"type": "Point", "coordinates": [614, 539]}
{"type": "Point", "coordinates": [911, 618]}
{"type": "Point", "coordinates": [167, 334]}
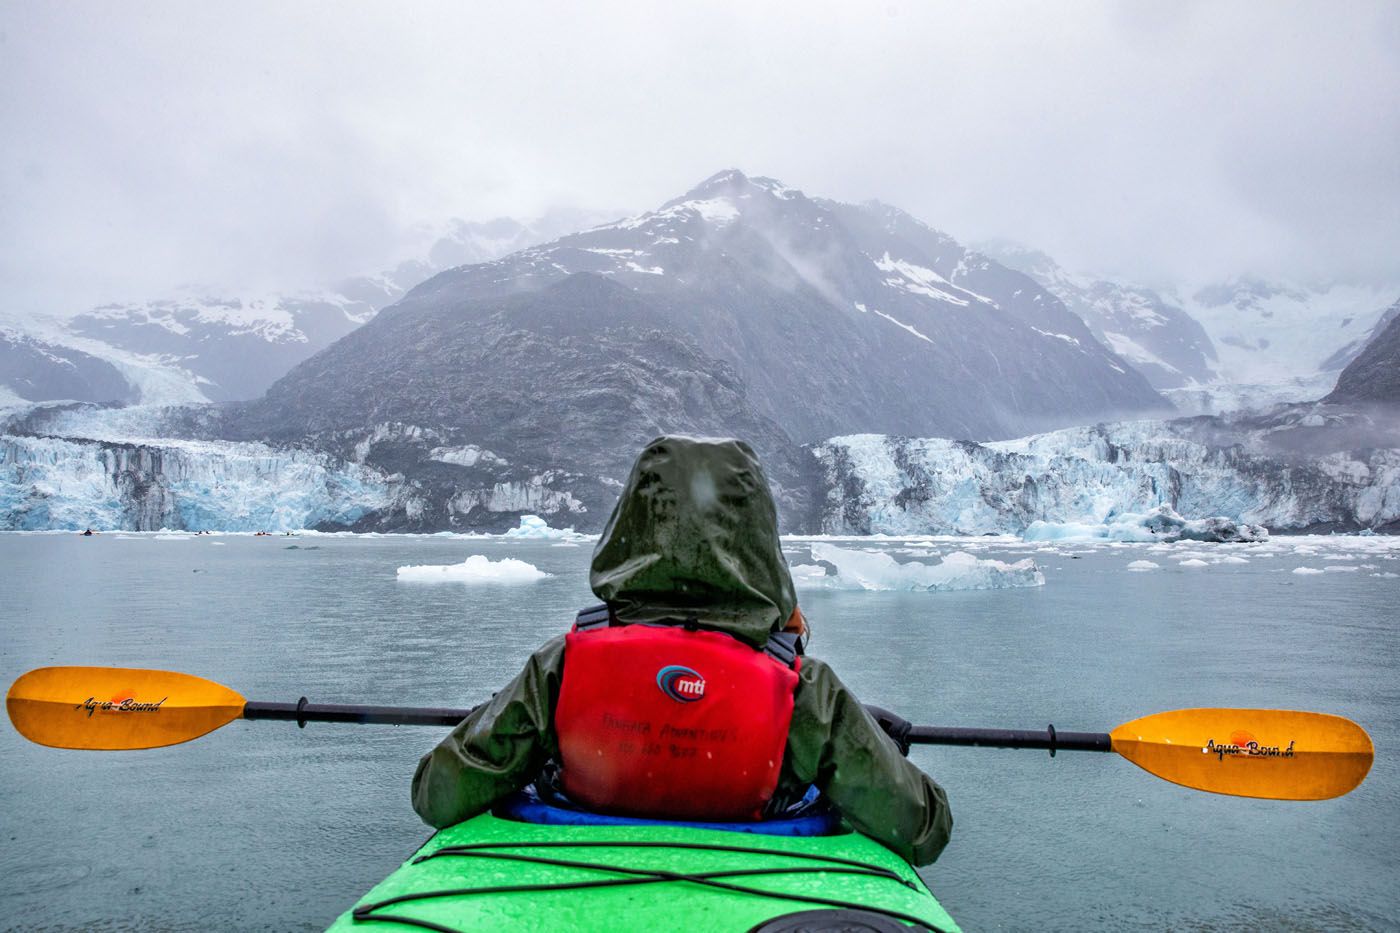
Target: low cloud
{"type": "Point", "coordinates": [151, 145]}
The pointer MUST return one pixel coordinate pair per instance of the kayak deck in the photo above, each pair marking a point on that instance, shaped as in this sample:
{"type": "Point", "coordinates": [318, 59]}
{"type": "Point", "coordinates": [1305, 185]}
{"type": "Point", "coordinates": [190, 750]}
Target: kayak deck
{"type": "Point", "coordinates": [491, 873]}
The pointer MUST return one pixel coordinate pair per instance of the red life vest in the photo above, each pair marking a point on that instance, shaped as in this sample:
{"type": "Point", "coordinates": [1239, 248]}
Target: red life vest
{"type": "Point", "coordinates": [672, 723]}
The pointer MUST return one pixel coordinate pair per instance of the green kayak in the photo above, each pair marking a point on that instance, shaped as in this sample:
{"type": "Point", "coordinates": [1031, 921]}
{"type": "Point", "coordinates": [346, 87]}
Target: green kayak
{"type": "Point", "coordinates": [489, 873]}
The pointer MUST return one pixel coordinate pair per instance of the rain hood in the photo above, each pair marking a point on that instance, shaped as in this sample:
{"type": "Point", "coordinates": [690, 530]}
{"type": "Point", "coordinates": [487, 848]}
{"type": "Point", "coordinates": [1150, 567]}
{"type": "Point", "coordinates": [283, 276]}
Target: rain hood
{"type": "Point", "coordinates": [694, 535]}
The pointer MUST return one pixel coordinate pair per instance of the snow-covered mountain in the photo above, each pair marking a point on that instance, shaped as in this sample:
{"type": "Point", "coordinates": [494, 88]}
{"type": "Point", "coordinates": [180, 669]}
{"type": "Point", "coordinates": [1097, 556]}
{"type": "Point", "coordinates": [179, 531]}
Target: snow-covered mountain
{"type": "Point", "coordinates": [1269, 333]}
{"type": "Point", "coordinates": [1243, 343]}
{"type": "Point", "coordinates": [233, 348]}
{"type": "Point", "coordinates": [1158, 338]}
{"type": "Point", "coordinates": [833, 315]}
{"type": "Point", "coordinates": [199, 345]}
{"type": "Point", "coordinates": [741, 308]}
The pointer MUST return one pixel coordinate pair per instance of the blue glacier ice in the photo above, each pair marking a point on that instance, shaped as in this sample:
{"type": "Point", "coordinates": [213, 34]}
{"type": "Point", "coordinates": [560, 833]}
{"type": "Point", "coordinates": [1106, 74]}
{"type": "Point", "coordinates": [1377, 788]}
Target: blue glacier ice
{"type": "Point", "coordinates": [58, 483]}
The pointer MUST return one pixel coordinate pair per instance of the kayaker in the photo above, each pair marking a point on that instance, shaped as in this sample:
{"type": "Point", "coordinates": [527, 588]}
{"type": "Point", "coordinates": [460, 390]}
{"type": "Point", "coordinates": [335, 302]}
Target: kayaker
{"type": "Point", "coordinates": [689, 565]}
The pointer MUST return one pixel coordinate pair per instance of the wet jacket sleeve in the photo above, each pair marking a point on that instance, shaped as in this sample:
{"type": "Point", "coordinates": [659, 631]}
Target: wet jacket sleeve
{"type": "Point", "coordinates": [496, 750]}
{"type": "Point", "coordinates": [836, 745]}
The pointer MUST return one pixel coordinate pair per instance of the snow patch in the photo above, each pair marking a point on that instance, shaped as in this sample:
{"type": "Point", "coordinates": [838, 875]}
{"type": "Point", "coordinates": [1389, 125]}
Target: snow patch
{"type": "Point", "coordinates": [921, 280]}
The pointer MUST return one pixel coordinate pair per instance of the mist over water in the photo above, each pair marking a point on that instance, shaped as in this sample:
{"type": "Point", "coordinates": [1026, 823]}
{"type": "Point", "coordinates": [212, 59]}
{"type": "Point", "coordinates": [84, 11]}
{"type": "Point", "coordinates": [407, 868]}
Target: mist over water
{"type": "Point", "coordinates": [263, 826]}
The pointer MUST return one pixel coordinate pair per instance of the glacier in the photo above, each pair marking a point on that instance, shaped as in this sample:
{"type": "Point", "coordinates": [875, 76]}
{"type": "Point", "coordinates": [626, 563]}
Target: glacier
{"type": "Point", "coordinates": [880, 484]}
{"type": "Point", "coordinates": [62, 483]}
{"type": "Point", "coordinates": [1299, 469]}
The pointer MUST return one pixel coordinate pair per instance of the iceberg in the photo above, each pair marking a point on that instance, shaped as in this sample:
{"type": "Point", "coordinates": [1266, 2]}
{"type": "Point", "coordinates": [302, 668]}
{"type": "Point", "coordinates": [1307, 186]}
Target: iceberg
{"type": "Point", "coordinates": [867, 570]}
{"type": "Point", "coordinates": [1142, 565]}
{"type": "Point", "coordinates": [1159, 524]}
{"type": "Point", "coordinates": [532, 526]}
{"type": "Point", "coordinates": [475, 569]}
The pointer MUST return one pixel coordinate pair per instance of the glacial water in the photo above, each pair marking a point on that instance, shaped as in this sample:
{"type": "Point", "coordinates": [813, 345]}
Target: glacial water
{"type": "Point", "coordinates": [261, 826]}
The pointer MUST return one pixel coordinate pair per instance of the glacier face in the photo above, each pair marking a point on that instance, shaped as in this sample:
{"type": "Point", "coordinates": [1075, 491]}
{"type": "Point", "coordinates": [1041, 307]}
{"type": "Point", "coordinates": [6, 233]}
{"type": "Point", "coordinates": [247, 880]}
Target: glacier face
{"type": "Point", "coordinates": [895, 485]}
{"type": "Point", "coordinates": [59, 483]}
{"type": "Point", "coordinates": [141, 468]}
{"type": "Point", "coordinates": [1312, 467]}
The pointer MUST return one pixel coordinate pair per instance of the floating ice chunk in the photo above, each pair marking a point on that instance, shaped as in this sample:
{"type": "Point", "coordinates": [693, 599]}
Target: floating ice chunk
{"type": "Point", "coordinates": [1387, 574]}
{"type": "Point", "coordinates": [532, 526]}
{"type": "Point", "coordinates": [1193, 562]}
{"type": "Point", "coordinates": [1159, 524]}
{"type": "Point", "coordinates": [1307, 571]}
{"type": "Point", "coordinates": [1232, 559]}
{"type": "Point", "coordinates": [1343, 569]}
{"type": "Point", "coordinates": [863, 570]}
{"type": "Point", "coordinates": [475, 569]}
{"type": "Point", "coordinates": [1141, 565]}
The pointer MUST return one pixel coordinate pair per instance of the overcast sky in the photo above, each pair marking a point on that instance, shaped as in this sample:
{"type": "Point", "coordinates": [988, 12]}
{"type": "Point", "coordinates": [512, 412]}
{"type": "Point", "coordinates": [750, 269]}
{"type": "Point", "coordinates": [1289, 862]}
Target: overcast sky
{"type": "Point", "coordinates": [277, 145]}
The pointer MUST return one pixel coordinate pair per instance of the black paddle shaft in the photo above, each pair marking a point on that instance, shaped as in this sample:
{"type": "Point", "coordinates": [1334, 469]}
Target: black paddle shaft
{"type": "Point", "coordinates": [303, 712]}
{"type": "Point", "coordinates": [1047, 738]}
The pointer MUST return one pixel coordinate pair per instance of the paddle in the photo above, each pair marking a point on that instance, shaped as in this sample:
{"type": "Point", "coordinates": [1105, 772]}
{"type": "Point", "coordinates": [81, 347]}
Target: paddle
{"type": "Point", "coordinates": [1276, 754]}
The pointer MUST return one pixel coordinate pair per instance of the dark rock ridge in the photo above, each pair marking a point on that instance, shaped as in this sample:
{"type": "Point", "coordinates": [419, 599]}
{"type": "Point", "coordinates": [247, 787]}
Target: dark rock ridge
{"type": "Point", "coordinates": [1374, 375]}
{"type": "Point", "coordinates": [37, 370]}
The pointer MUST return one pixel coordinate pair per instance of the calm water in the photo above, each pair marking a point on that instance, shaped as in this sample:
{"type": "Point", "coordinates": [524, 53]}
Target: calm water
{"type": "Point", "coordinates": [262, 826]}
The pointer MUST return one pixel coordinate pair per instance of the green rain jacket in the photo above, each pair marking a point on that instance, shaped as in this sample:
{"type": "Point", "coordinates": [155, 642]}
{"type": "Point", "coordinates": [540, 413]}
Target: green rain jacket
{"type": "Point", "coordinates": [695, 535]}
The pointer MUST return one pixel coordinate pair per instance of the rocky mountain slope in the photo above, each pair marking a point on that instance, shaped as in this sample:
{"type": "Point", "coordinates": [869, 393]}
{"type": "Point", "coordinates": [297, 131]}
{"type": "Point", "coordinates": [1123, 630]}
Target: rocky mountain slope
{"type": "Point", "coordinates": [36, 370]}
{"type": "Point", "coordinates": [556, 387]}
{"type": "Point", "coordinates": [1374, 375]}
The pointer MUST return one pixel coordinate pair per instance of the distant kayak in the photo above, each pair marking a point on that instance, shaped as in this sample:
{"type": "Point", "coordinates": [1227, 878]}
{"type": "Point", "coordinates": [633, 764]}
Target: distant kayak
{"type": "Point", "coordinates": [491, 873]}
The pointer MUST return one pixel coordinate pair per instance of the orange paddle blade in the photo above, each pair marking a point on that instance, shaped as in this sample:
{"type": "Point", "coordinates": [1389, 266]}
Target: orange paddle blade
{"type": "Point", "coordinates": [1273, 753]}
{"type": "Point", "coordinates": [114, 708]}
